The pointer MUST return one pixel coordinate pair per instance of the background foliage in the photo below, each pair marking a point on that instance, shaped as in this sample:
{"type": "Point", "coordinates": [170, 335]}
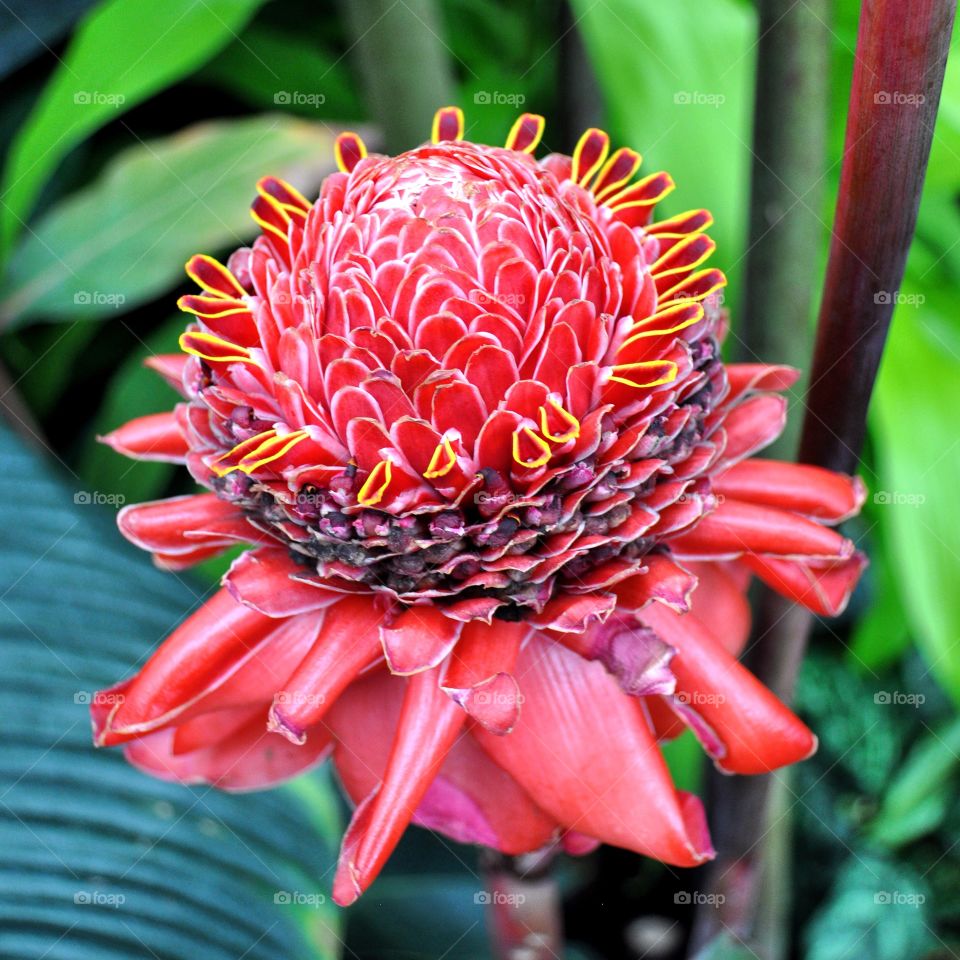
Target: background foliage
{"type": "Point", "coordinates": [132, 136]}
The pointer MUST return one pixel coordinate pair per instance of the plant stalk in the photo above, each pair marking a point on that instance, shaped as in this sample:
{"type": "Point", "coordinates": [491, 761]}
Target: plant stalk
{"type": "Point", "coordinates": [898, 75]}
{"type": "Point", "coordinates": [404, 64]}
{"type": "Point", "coordinates": [786, 189]}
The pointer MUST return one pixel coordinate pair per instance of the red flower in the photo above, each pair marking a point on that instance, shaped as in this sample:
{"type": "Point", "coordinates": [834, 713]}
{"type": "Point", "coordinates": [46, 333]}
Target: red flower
{"type": "Point", "coordinates": [470, 410]}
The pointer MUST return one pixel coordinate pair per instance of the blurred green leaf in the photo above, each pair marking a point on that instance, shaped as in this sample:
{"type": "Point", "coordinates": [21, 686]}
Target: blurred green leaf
{"type": "Point", "coordinates": [917, 799]}
{"type": "Point", "coordinates": [96, 859]}
{"type": "Point", "coordinates": [122, 53]}
{"type": "Point", "coordinates": [915, 437]}
{"type": "Point", "coordinates": [126, 237]}
{"type": "Point", "coordinates": [289, 72]}
{"type": "Point", "coordinates": [683, 98]}
{"type": "Point", "coordinates": [877, 909]}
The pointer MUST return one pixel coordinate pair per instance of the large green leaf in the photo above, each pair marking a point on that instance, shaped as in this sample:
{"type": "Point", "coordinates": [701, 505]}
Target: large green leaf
{"type": "Point", "coordinates": [914, 421]}
{"type": "Point", "coordinates": [125, 238]}
{"type": "Point", "coordinates": [123, 52]}
{"type": "Point", "coordinates": [96, 859]}
{"type": "Point", "coordinates": [682, 96]}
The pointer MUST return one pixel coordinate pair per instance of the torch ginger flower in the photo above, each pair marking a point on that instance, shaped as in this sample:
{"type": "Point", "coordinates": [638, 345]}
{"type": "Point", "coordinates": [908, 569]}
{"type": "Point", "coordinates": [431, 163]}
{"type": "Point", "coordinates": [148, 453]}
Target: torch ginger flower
{"type": "Point", "coordinates": [469, 410]}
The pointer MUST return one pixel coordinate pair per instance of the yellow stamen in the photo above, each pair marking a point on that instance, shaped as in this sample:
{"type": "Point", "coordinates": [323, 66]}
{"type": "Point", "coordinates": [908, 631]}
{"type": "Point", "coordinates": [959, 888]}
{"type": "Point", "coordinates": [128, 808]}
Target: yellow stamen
{"type": "Point", "coordinates": [376, 484]}
{"type": "Point", "coordinates": [237, 354]}
{"type": "Point", "coordinates": [438, 468]}
{"type": "Point", "coordinates": [572, 422]}
{"type": "Point", "coordinates": [546, 452]}
{"type": "Point", "coordinates": [670, 374]}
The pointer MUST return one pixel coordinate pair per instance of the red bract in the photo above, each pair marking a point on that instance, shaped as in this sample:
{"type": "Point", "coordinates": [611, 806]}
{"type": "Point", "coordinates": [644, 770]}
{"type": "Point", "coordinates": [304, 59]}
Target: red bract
{"type": "Point", "coordinates": [470, 410]}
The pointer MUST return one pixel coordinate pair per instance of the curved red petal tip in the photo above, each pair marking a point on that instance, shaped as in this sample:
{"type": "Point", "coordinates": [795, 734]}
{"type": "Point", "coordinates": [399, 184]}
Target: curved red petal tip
{"type": "Point", "coordinates": [156, 436]}
{"type": "Point", "coordinates": [494, 703]}
{"type": "Point", "coordinates": [419, 639]}
{"type": "Point", "coordinates": [103, 705]}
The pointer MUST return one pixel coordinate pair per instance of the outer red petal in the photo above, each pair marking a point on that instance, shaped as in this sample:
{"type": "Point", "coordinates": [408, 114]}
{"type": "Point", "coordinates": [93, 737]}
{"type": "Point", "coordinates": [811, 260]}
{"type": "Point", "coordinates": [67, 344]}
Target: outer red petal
{"type": "Point", "coordinates": [249, 759]}
{"type": "Point", "coordinates": [812, 491]}
{"type": "Point", "coordinates": [154, 437]}
{"type": "Point", "coordinates": [348, 643]}
{"type": "Point", "coordinates": [741, 723]}
{"type": "Point", "coordinates": [182, 525]}
{"type": "Point", "coordinates": [735, 528]}
{"type": "Point", "coordinates": [720, 604]}
{"type": "Point", "coordinates": [202, 652]}
{"type": "Point", "coordinates": [428, 725]}
{"type": "Point", "coordinates": [261, 579]}
{"type": "Point", "coordinates": [471, 799]}
{"type": "Point", "coordinates": [419, 639]}
{"type": "Point", "coordinates": [823, 588]}
{"type": "Point", "coordinates": [584, 750]}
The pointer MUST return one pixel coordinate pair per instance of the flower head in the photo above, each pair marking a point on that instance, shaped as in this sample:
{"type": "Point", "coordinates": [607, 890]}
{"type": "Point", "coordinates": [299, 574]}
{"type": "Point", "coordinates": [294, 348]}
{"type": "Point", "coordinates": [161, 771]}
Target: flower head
{"type": "Point", "coordinates": [469, 410]}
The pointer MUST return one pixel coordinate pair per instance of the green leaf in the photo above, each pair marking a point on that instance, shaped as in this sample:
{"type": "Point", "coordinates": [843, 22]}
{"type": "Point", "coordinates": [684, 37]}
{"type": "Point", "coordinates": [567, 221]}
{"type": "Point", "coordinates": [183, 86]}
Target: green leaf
{"type": "Point", "coordinates": [122, 53]}
{"type": "Point", "coordinates": [921, 791]}
{"type": "Point", "coordinates": [96, 859]}
{"type": "Point", "coordinates": [683, 98]}
{"type": "Point", "coordinates": [126, 237]}
{"type": "Point", "coordinates": [913, 417]}
{"type": "Point", "coordinates": [877, 910]}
